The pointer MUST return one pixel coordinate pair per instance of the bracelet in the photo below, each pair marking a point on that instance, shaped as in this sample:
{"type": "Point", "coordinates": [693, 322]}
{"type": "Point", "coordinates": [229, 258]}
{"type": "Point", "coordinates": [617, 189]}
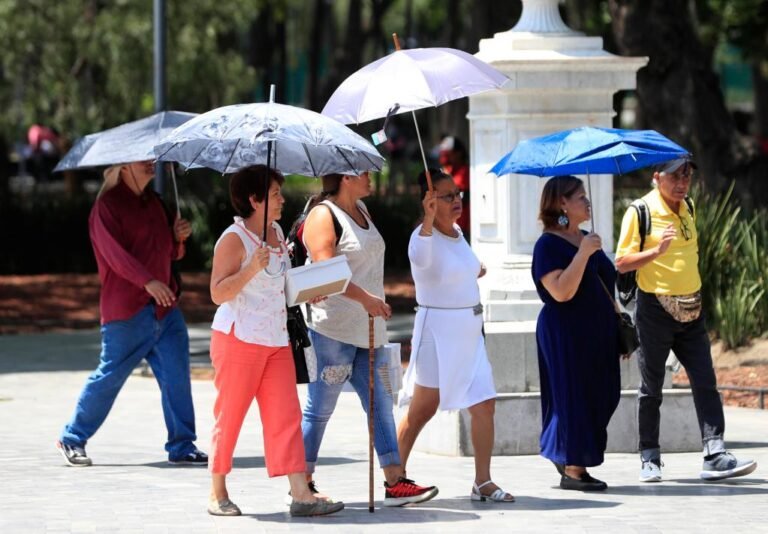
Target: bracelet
{"type": "Point", "coordinates": [424, 234]}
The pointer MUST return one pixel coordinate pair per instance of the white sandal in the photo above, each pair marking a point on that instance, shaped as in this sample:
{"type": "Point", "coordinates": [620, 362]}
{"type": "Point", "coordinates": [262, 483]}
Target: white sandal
{"type": "Point", "coordinates": [499, 495]}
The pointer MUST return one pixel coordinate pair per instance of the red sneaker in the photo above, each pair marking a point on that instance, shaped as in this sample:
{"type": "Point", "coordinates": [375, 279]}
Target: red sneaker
{"type": "Point", "coordinates": [406, 491]}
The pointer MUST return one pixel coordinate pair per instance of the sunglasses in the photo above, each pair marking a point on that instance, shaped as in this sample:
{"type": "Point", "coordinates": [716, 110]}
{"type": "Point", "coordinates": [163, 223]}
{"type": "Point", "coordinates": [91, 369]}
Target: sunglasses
{"type": "Point", "coordinates": [686, 231]}
{"type": "Point", "coordinates": [450, 197]}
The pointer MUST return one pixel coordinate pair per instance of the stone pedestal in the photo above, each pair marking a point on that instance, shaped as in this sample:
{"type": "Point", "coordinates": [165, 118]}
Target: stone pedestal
{"type": "Point", "coordinates": [559, 79]}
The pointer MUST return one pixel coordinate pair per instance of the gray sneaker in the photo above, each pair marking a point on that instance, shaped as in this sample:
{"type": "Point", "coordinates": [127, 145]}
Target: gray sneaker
{"type": "Point", "coordinates": [725, 465]}
{"type": "Point", "coordinates": [74, 456]}
{"type": "Point", "coordinates": [650, 471]}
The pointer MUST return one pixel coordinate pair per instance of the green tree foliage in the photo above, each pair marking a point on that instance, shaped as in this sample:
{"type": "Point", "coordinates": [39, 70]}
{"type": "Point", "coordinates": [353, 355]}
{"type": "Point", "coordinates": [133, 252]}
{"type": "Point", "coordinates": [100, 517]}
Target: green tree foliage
{"type": "Point", "coordinates": [85, 65]}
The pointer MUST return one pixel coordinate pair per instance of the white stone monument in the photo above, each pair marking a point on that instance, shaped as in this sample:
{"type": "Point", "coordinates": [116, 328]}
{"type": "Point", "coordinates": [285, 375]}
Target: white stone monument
{"type": "Point", "coordinates": [560, 79]}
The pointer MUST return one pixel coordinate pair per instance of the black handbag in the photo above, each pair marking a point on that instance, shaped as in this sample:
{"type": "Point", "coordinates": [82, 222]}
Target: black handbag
{"type": "Point", "coordinates": [628, 342]}
{"type": "Point", "coordinates": [303, 354]}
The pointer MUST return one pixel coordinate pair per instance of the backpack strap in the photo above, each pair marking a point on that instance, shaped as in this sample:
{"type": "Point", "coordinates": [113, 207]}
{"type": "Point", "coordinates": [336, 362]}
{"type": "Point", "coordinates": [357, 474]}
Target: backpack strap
{"type": "Point", "coordinates": [643, 219]}
{"type": "Point", "coordinates": [691, 209]}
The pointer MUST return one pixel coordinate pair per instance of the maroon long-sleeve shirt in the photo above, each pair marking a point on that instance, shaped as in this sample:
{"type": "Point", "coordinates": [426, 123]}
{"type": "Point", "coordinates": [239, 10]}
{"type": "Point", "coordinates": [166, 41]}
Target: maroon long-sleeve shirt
{"type": "Point", "coordinates": [133, 243]}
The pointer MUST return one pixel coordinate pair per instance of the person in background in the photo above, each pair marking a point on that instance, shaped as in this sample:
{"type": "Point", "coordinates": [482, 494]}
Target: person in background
{"type": "Point", "coordinates": [454, 161]}
{"type": "Point", "coordinates": [135, 240]}
{"type": "Point", "coordinates": [576, 336]}
{"type": "Point", "coordinates": [449, 367]}
{"type": "Point", "coordinates": [669, 317]}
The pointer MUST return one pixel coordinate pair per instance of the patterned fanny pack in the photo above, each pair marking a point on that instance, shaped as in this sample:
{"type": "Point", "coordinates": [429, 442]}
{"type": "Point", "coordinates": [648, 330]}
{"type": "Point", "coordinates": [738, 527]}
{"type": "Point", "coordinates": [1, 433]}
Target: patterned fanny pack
{"type": "Point", "coordinates": [683, 308]}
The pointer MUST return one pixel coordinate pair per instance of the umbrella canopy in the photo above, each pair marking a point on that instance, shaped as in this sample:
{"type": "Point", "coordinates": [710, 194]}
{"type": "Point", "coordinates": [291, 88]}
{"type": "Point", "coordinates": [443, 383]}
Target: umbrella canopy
{"type": "Point", "coordinates": [412, 79]}
{"type": "Point", "coordinates": [130, 142]}
{"type": "Point", "coordinates": [589, 150]}
{"type": "Point", "coordinates": [289, 139]}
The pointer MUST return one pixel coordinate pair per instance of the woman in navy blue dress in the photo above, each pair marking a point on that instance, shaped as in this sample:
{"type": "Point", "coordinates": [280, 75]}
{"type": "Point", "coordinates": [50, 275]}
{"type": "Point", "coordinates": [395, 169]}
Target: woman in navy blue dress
{"type": "Point", "coordinates": [576, 336]}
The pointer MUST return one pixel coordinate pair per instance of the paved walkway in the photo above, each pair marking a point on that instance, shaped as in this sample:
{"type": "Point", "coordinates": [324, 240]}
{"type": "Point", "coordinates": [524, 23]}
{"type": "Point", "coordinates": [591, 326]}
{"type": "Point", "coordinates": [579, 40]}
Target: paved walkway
{"type": "Point", "coordinates": [131, 488]}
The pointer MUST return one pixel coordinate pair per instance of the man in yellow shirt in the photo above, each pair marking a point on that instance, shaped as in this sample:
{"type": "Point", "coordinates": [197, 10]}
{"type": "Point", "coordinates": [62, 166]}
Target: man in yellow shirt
{"type": "Point", "coordinates": [668, 317]}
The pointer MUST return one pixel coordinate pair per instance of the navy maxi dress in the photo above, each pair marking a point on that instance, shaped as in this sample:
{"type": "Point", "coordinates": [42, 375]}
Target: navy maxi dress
{"type": "Point", "coordinates": [577, 345]}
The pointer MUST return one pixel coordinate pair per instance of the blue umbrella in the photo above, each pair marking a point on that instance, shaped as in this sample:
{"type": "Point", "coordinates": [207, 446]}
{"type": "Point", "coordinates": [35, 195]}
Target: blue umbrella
{"type": "Point", "coordinates": [589, 150]}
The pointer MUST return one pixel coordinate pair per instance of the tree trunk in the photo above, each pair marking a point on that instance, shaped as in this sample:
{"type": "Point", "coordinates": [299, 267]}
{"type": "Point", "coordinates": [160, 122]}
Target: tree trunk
{"type": "Point", "coordinates": [678, 93]}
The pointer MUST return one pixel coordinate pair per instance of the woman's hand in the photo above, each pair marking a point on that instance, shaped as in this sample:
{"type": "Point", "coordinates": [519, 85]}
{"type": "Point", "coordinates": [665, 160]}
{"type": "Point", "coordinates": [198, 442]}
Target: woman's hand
{"type": "Point", "coordinates": [181, 230]}
{"type": "Point", "coordinates": [590, 244]}
{"type": "Point", "coordinates": [316, 300]}
{"type": "Point", "coordinates": [430, 206]}
{"type": "Point", "coordinates": [259, 261]}
{"type": "Point", "coordinates": [161, 293]}
{"type": "Point", "coordinates": [376, 307]}
{"type": "Point", "coordinates": [483, 270]}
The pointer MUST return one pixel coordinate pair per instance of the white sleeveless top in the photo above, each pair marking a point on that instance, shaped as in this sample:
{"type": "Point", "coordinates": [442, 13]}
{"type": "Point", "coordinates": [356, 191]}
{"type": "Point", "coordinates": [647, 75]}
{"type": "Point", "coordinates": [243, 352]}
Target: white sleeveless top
{"type": "Point", "coordinates": [342, 318]}
{"type": "Point", "coordinates": [258, 310]}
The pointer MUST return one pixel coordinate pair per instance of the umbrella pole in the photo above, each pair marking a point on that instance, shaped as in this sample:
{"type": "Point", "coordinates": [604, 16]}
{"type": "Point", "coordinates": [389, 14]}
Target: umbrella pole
{"type": "Point", "coordinates": [418, 133]}
{"type": "Point", "coordinates": [266, 191]}
{"type": "Point", "coordinates": [175, 191]}
{"type": "Point", "coordinates": [423, 156]}
{"type": "Point", "coordinates": [371, 359]}
{"type": "Point", "coordinates": [591, 204]}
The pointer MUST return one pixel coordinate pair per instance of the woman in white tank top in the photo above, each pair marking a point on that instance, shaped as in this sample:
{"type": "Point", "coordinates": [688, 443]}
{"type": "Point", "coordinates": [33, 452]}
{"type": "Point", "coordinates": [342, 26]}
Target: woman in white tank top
{"type": "Point", "coordinates": [449, 367]}
{"type": "Point", "coordinates": [339, 330]}
{"type": "Point", "coordinates": [249, 344]}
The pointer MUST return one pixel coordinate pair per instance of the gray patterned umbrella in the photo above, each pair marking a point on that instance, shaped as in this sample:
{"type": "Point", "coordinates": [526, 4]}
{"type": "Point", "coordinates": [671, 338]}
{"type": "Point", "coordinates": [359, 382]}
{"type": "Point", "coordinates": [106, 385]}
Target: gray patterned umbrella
{"type": "Point", "coordinates": [295, 140]}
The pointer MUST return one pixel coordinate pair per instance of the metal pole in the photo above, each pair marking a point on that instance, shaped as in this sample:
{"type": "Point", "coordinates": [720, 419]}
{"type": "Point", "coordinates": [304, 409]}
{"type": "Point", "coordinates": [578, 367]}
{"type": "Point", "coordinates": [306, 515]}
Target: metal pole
{"type": "Point", "coordinates": [159, 77]}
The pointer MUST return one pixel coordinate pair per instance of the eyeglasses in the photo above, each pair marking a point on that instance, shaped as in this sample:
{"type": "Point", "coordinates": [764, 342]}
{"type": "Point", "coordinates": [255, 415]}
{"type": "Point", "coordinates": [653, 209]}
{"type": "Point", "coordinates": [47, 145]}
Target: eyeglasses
{"type": "Point", "coordinates": [685, 229]}
{"type": "Point", "coordinates": [450, 197]}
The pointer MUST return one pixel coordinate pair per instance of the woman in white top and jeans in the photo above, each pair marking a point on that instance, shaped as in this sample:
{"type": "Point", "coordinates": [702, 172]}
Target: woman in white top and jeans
{"type": "Point", "coordinates": [339, 330]}
{"type": "Point", "coordinates": [249, 344]}
{"type": "Point", "coordinates": [449, 367]}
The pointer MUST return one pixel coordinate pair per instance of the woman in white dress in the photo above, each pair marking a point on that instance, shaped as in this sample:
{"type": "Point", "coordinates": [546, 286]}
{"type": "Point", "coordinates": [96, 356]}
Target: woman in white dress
{"type": "Point", "coordinates": [449, 367]}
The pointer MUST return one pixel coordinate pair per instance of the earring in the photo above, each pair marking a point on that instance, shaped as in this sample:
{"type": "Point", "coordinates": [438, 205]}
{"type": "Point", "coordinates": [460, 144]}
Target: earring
{"type": "Point", "coordinates": [563, 220]}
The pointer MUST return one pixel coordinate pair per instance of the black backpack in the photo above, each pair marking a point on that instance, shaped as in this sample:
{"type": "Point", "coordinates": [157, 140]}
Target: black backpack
{"type": "Point", "coordinates": [296, 248]}
{"type": "Point", "coordinates": [626, 283]}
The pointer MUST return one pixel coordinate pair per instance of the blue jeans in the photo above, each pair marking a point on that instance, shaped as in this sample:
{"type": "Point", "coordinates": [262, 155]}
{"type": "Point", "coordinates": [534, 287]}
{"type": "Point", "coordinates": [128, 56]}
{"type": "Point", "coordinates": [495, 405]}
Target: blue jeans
{"type": "Point", "coordinates": [165, 346]}
{"type": "Point", "coordinates": [338, 363]}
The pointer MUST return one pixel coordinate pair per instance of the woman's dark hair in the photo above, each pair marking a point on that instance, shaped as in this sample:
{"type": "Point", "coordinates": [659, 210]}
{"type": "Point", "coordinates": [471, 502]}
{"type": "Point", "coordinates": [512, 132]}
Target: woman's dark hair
{"type": "Point", "coordinates": [251, 182]}
{"type": "Point", "coordinates": [437, 176]}
{"type": "Point", "coordinates": [331, 186]}
{"type": "Point", "coordinates": [554, 190]}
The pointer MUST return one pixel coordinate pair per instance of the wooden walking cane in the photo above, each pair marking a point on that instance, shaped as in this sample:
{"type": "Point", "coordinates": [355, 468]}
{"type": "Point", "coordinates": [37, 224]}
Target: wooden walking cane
{"type": "Point", "coordinates": [371, 354]}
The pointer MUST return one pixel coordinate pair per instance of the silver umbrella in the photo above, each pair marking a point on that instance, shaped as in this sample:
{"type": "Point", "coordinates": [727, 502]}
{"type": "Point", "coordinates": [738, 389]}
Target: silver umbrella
{"type": "Point", "coordinates": [127, 143]}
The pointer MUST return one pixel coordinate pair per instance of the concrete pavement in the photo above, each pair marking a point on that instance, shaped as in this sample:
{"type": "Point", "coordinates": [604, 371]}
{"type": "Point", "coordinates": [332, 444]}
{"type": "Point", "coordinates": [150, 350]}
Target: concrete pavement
{"type": "Point", "coordinates": [130, 488]}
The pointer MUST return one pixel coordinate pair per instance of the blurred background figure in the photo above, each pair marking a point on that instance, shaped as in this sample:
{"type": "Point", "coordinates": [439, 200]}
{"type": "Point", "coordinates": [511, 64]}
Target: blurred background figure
{"type": "Point", "coordinates": [453, 160]}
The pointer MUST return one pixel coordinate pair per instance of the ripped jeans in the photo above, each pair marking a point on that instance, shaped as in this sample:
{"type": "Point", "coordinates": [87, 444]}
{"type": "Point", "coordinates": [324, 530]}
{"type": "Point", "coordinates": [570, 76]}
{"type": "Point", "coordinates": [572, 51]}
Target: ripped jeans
{"type": "Point", "coordinates": [338, 363]}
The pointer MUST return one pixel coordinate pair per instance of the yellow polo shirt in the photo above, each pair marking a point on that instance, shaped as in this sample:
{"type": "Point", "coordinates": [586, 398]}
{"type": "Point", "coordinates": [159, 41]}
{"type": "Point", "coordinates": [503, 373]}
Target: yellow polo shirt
{"type": "Point", "coordinates": [676, 272]}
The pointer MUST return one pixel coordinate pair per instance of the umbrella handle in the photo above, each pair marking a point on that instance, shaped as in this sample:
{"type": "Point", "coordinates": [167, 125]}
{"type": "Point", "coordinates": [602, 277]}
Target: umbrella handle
{"type": "Point", "coordinates": [371, 359]}
{"type": "Point", "coordinates": [279, 272]}
{"type": "Point", "coordinates": [396, 41]}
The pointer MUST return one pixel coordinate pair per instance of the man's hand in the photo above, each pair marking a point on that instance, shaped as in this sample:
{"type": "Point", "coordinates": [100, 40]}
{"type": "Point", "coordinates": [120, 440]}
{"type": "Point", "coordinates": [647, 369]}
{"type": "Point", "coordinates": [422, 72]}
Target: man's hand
{"type": "Point", "coordinates": [161, 293]}
{"type": "Point", "coordinates": [666, 238]}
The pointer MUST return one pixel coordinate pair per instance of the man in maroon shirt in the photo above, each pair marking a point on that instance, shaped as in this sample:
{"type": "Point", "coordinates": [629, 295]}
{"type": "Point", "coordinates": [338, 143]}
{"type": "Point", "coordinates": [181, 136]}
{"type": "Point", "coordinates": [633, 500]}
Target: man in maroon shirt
{"type": "Point", "coordinates": [453, 161]}
{"type": "Point", "coordinates": [134, 243]}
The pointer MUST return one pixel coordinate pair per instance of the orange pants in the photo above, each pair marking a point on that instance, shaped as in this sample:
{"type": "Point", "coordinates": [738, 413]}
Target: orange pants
{"type": "Point", "coordinates": [245, 371]}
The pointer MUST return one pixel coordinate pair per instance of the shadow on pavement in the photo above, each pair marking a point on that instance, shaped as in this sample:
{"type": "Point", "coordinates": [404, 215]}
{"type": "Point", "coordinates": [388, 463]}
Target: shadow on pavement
{"type": "Point", "coordinates": [689, 487]}
{"type": "Point", "coordinates": [747, 444]}
{"type": "Point", "coordinates": [521, 503]}
{"type": "Point", "coordinates": [358, 514]}
{"type": "Point", "coordinates": [248, 462]}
